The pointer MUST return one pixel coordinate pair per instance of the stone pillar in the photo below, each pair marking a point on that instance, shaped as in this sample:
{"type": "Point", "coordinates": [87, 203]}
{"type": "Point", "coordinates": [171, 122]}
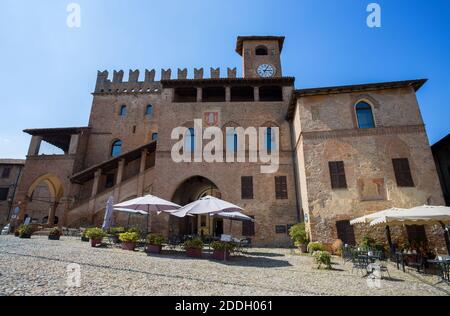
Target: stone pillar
{"type": "Point", "coordinates": [73, 144]}
{"type": "Point", "coordinates": [35, 145]}
{"type": "Point", "coordinates": [120, 170]}
{"type": "Point", "coordinates": [199, 95]}
{"type": "Point", "coordinates": [141, 179]}
{"type": "Point", "coordinates": [256, 92]}
{"type": "Point", "coordinates": [227, 94]}
{"type": "Point", "coordinates": [97, 176]}
{"type": "Point", "coordinates": [143, 160]}
{"type": "Point", "coordinates": [52, 213]}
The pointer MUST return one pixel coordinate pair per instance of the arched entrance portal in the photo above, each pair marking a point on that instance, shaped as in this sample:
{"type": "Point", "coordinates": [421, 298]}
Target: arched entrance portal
{"type": "Point", "coordinates": [44, 196]}
{"type": "Point", "coordinates": [189, 191]}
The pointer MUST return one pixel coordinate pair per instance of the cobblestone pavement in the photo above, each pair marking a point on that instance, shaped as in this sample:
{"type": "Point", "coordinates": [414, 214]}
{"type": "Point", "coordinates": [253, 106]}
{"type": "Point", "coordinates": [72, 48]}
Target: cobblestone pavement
{"type": "Point", "coordinates": [39, 267]}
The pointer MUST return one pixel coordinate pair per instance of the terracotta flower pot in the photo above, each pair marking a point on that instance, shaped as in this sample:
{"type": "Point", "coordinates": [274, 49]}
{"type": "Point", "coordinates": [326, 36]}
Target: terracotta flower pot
{"type": "Point", "coordinates": [96, 242]}
{"type": "Point", "coordinates": [221, 254]}
{"type": "Point", "coordinates": [154, 249]}
{"type": "Point", "coordinates": [194, 252]}
{"type": "Point", "coordinates": [128, 246]}
{"type": "Point", "coordinates": [50, 237]}
{"type": "Point", "coordinates": [303, 248]}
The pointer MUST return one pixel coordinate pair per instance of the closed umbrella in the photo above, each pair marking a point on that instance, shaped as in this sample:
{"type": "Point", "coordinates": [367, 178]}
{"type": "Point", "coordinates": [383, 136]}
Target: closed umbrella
{"type": "Point", "coordinates": [108, 213]}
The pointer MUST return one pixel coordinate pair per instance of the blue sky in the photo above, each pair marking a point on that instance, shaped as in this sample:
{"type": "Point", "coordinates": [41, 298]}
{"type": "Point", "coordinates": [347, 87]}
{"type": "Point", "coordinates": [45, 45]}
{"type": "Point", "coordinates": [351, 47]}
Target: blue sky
{"type": "Point", "coordinates": [49, 70]}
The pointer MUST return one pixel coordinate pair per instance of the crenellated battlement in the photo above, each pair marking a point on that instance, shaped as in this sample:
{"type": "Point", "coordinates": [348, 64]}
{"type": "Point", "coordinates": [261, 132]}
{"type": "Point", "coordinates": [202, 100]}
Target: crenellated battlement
{"type": "Point", "coordinates": [149, 85]}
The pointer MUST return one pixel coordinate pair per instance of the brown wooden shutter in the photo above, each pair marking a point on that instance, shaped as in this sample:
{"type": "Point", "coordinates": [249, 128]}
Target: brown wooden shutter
{"type": "Point", "coordinates": [402, 172]}
{"type": "Point", "coordinates": [281, 188]}
{"type": "Point", "coordinates": [337, 175]}
{"type": "Point", "coordinates": [247, 188]}
{"type": "Point", "coordinates": [345, 232]}
{"type": "Point", "coordinates": [248, 228]}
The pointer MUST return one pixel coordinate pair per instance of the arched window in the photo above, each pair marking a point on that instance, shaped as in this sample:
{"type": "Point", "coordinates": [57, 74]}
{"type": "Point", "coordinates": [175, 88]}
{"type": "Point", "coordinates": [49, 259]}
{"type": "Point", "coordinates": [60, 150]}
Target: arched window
{"type": "Point", "coordinates": [149, 110]}
{"type": "Point", "coordinates": [270, 139]}
{"type": "Point", "coordinates": [364, 115]}
{"type": "Point", "coordinates": [116, 148]}
{"type": "Point", "coordinates": [261, 51]}
{"type": "Point", "coordinates": [123, 110]}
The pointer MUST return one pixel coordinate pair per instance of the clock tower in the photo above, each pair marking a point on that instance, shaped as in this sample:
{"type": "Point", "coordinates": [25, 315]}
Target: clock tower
{"type": "Point", "coordinates": [260, 55]}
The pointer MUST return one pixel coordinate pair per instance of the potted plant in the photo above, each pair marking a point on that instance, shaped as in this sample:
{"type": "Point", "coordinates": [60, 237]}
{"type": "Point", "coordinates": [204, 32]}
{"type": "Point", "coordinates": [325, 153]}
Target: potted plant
{"type": "Point", "coordinates": [193, 247]}
{"type": "Point", "coordinates": [315, 246]}
{"type": "Point", "coordinates": [83, 235]}
{"type": "Point", "coordinates": [129, 240]}
{"type": "Point", "coordinates": [25, 231]}
{"type": "Point", "coordinates": [222, 249]}
{"type": "Point", "coordinates": [95, 235]}
{"type": "Point", "coordinates": [299, 237]}
{"type": "Point", "coordinates": [54, 234]}
{"type": "Point", "coordinates": [154, 243]}
{"type": "Point", "coordinates": [322, 258]}
{"type": "Point", "coordinates": [114, 232]}
{"type": "Point", "coordinates": [16, 232]}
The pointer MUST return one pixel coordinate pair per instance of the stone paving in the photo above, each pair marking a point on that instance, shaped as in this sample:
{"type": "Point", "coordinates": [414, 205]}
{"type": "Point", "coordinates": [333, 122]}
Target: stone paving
{"type": "Point", "coordinates": [40, 267]}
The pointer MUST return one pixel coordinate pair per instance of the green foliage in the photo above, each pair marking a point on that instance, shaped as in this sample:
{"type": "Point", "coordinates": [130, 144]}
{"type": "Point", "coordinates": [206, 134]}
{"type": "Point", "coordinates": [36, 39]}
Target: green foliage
{"type": "Point", "coordinates": [369, 243]}
{"type": "Point", "coordinates": [298, 234]}
{"type": "Point", "coordinates": [155, 240]}
{"type": "Point", "coordinates": [25, 230]}
{"type": "Point", "coordinates": [116, 231]}
{"type": "Point", "coordinates": [315, 246]}
{"type": "Point", "coordinates": [322, 258]}
{"type": "Point", "coordinates": [55, 232]}
{"type": "Point", "coordinates": [134, 230]}
{"type": "Point", "coordinates": [95, 233]}
{"type": "Point", "coordinates": [222, 245]}
{"type": "Point", "coordinates": [195, 243]}
{"type": "Point", "coordinates": [129, 237]}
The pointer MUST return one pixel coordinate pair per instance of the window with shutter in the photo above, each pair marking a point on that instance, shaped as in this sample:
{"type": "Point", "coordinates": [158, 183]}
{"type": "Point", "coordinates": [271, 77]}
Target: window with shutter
{"type": "Point", "coordinates": [4, 194]}
{"type": "Point", "coordinates": [337, 175]}
{"type": "Point", "coordinates": [281, 188]}
{"type": "Point", "coordinates": [248, 228]}
{"type": "Point", "coordinates": [402, 172]}
{"type": "Point", "coordinates": [247, 188]}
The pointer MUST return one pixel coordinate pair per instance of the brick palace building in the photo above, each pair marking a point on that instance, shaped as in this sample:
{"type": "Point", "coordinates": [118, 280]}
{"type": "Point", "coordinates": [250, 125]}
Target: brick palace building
{"type": "Point", "coordinates": [343, 152]}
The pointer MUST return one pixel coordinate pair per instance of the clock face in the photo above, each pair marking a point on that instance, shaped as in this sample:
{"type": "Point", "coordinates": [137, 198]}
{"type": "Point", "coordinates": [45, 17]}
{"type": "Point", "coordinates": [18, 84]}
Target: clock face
{"type": "Point", "coordinates": [266, 71]}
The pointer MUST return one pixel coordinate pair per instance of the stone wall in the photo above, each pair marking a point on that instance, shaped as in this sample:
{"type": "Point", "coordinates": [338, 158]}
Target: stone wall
{"type": "Point", "coordinates": [326, 130]}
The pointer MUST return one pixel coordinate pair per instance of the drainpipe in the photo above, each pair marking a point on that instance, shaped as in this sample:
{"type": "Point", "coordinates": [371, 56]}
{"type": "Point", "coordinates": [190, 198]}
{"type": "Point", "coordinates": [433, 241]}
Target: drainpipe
{"type": "Point", "coordinates": [300, 217]}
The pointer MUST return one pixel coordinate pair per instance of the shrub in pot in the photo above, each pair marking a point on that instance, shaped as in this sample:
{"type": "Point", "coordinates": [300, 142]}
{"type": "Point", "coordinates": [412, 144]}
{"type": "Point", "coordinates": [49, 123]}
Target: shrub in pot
{"type": "Point", "coordinates": [129, 240]}
{"type": "Point", "coordinates": [54, 234]}
{"type": "Point", "coordinates": [16, 232]}
{"type": "Point", "coordinates": [25, 231]}
{"type": "Point", "coordinates": [154, 243]}
{"type": "Point", "coordinates": [114, 232]}
{"type": "Point", "coordinates": [193, 247]}
{"type": "Point", "coordinates": [222, 249]}
{"type": "Point", "coordinates": [299, 236]}
{"type": "Point", "coordinates": [84, 237]}
{"type": "Point", "coordinates": [315, 246]}
{"type": "Point", "coordinates": [322, 258]}
{"type": "Point", "coordinates": [95, 235]}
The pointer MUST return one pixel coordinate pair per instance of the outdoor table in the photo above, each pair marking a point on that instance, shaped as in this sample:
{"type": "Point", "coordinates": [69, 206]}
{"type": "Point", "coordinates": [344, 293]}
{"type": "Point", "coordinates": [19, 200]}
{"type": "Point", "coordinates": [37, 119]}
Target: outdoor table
{"type": "Point", "coordinates": [443, 268]}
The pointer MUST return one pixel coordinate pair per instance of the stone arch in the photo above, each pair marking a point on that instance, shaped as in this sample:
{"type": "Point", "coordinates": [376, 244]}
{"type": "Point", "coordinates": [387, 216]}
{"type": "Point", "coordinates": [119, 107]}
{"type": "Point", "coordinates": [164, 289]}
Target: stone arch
{"type": "Point", "coordinates": [189, 190]}
{"type": "Point", "coordinates": [55, 190]}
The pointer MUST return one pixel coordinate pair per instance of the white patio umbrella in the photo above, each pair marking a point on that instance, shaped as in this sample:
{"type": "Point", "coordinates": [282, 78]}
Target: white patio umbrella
{"type": "Point", "coordinates": [108, 213]}
{"type": "Point", "coordinates": [237, 216]}
{"type": "Point", "coordinates": [207, 205]}
{"type": "Point", "coordinates": [146, 205]}
{"type": "Point", "coordinates": [371, 217]}
{"type": "Point", "coordinates": [420, 215]}
{"type": "Point", "coordinates": [126, 210]}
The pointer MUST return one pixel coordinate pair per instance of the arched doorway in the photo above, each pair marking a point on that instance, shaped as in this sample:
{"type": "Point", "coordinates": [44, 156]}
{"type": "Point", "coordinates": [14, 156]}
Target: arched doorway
{"type": "Point", "coordinates": [187, 192]}
{"type": "Point", "coordinates": [43, 200]}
